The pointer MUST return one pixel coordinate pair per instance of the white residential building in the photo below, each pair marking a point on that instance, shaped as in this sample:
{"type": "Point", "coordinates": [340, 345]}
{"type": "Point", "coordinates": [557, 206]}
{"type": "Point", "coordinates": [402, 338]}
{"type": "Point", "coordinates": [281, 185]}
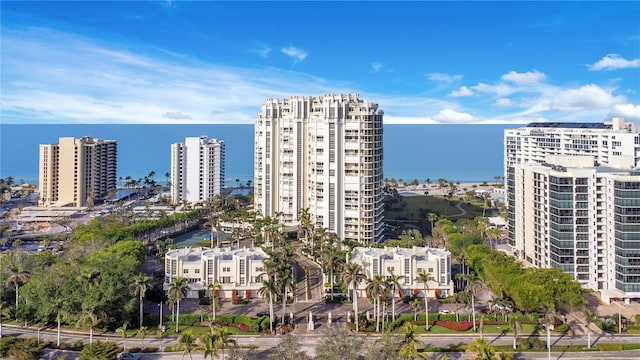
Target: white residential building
{"type": "Point", "coordinates": [77, 172]}
{"type": "Point", "coordinates": [236, 270]}
{"type": "Point", "coordinates": [197, 169]}
{"type": "Point", "coordinates": [614, 143]}
{"type": "Point", "coordinates": [408, 263]}
{"type": "Point", "coordinates": [582, 219]}
{"type": "Point", "coordinates": [322, 153]}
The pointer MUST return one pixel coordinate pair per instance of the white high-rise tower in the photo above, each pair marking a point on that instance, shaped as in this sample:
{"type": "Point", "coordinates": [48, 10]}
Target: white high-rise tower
{"type": "Point", "coordinates": [323, 154]}
{"type": "Point", "coordinates": [197, 169]}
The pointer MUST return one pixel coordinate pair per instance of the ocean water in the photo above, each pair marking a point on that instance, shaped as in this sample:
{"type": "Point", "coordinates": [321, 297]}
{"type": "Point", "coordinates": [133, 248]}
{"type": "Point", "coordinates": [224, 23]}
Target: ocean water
{"type": "Point", "coordinates": [454, 152]}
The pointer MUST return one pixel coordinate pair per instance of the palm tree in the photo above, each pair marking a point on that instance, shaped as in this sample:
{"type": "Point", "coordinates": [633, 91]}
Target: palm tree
{"type": "Point", "coordinates": [142, 333]}
{"type": "Point", "coordinates": [214, 288]}
{"type": "Point", "coordinates": [473, 285]}
{"type": "Point", "coordinates": [493, 234]}
{"type": "Point", "coordinates": [410, 341]}
{"type": "Point", "coordinates": [432, 217]}
{"type": "Point", "coordinates": [222, 340]}
{"type": "Point", "coordinates": [516, 327]}
{"type": "Point", "coordinates": [394, 283]}
{"type": "Point", "coordinates": [415, 305]}
{"type": "Point", "coordinates": [187, 343]}
{"type": "Point", "coordinates": [93, 318]}
{"type": "Point", "coordinates": [425, 278]}
{"type": "Point", "coordinates": [286, 283]}
{"type": "Point", "coordinates": [123, 330]}
{"type": "Point", "coordinates": [207, 344]}
{"type": "Point", "coordinates": [17, 276]}
{"type": "Point", "coordinates": [139, 287]}
{"type": "Point", "coordinates": [590, 317]}
{"type": "Point", "coordinates": [353, 275]}
{"type": "Point", "coordinates": [266, 292]}
{"type": "Point", "coordinates": [485, 199]}
{"type": "Point", "coordinates": [376, 288]}
{"type": "Point", "coordinates": [332, 260]}
{"type": "Point", "coordinates": [177, 291]}
{"type": "Point", "coordinates": [482, 350]}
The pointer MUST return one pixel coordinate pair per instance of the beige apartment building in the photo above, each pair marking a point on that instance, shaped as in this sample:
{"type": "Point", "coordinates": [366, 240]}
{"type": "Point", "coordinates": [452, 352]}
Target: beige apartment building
{"type": "Point", "coordinates": [324, 154]}
{"type": "Point", "coordinates": [76, 171]}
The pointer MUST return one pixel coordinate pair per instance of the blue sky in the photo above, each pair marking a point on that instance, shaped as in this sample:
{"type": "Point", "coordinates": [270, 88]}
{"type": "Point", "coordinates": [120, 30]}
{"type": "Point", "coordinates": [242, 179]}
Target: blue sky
{"type": "Point", "coordinates": [216, 62]}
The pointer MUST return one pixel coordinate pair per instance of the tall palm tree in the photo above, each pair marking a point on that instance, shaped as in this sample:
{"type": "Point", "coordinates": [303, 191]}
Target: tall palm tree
{"type": "Point", "coordinates": [353, 275]}
{"type": "Point", "coordinates": [213, 288]}
{"type": "Point", "coordinates": [394, 284]}
{"type": "Point", "coordinates": [207, 344]}
{"type": "Point", "coordinates": [286, 283]}
{"type": "Point", "coordinates": [177, 291]}
{"type": "Point", "coordinates": [425, 278]}
{"type": "Point", "coordinates": [93, 318]}
{"type": "Point", "coordinates": [332, 260]}
{"type": "Point", "coordinates": [473, 285]}
{"type": "Point", "coordinates": [415, 305]}
{"type": "Point", "coordinates": [17, 275]}
{"type": "Point", "coordinates": [493, 234]}
{"type": "Point", "coordinates": [139, 286]}
{"type": "Point", "coordinates": [432, 217]}
{"type": "Point", "coordinates": [223, 340]}
{"type": "Point", "coordinates": [516, 327]}
{"type": "Point", "coordinates": [187, 342]}
{"type": "Point", "coordinates": [376, 289]}
{"type": "Point", "coordinates": [267, 291]}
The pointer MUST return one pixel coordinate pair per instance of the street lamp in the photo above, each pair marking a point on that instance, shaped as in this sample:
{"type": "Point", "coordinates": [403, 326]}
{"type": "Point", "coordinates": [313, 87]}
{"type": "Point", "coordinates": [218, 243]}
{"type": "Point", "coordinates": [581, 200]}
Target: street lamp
{"type": "Point", "coordinates": [160, 324]}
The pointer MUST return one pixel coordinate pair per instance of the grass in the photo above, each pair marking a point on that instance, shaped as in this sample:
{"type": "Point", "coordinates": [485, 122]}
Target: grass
{"type": "Point", "coordinates": [416, 208]}
{"type": "Point", "coordinates": [527, 329]}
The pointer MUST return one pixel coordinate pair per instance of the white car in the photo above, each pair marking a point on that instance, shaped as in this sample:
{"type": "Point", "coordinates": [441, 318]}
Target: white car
{"type": "Point", "coordinates": [444, 312]}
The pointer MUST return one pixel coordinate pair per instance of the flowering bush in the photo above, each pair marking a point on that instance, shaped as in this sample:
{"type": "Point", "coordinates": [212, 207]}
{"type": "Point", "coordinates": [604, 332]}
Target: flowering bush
{"type": "Point", "coordinates": [243, 327]}
{"type": "Point", "coordinates": [456, 325]}
{"type": "Point", "coordinates": [494, 322]}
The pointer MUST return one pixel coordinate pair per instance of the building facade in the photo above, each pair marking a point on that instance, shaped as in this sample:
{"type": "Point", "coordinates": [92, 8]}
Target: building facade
{"type": "Point", "coordinates": [583, 219]}
{"type": "Point", "coordinates": [239, 272]}
{"type": "Point", "coordinates": [614, 143]}
{"type": "Point", "coordinates": [197, 169]}
{"type": "Point", "coordinates": [323, 154]}
{"type": "Point", "coordinates": [408, 263]}
{"type": "Point", "coordinates": [76, 171]}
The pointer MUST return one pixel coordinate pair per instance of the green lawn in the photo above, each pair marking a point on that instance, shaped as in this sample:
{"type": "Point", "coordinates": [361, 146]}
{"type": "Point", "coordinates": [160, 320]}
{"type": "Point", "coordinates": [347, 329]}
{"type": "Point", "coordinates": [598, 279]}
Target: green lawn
{"type": "Point", "coordinates": [416, 208]}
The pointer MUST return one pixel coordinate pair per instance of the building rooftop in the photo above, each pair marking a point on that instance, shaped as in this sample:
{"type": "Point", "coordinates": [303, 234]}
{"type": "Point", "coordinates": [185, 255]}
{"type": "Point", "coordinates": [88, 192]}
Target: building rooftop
{"type": "Point", "coordinates": [570, 125]}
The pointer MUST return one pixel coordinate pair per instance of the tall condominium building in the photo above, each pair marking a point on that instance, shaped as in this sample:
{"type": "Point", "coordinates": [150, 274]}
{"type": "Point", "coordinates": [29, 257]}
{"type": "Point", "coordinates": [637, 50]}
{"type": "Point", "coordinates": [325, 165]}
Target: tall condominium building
{"type": "Point", "coordinates": [197, 169]}
{"type": "Point", "coordinates": [615, 143]}
{"type": "Point", "coordinates": [323, 154]}
{"type": "Point", "coordinates": [77, 171]}
{"type": "Point", "coordinates": [581, 218]}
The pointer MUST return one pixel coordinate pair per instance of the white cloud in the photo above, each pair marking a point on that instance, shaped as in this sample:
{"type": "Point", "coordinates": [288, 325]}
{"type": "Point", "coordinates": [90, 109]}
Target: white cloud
{"type": "Point", "coordinates": [376, 67]}
{"type": "Point", "coordinates": [461, 92]}
{"type": "Point", "coordinates": [499, 89]}
{"type": "Point", "coordinates": [629, 112]}
{"type": "Point", "coordinates": [503, 102]}
{"type": "Point", "coordinates": [529, 77]}
{"type": "Point", "coordinates": [589, 96]}
{"type": "Point", "coordinates": [295, 53]}
{"type": "Point", "coordinates": [614, 62]}
{"type": "Point", "coordinates": [443, 77]}
{"type": "Point", "coordinates": [452, 116]}
{"type": "Point", "coordinates": [264, 52]}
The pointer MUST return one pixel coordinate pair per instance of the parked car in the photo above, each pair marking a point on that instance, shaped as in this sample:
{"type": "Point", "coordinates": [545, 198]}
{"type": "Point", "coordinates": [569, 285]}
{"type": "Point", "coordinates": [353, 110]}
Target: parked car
{"type": "Point", "coordinates": [444, 312]}
{"type": "Point", "coordinates": [262, 313]}
{"type": "Point", "coordinates": [128, 356]}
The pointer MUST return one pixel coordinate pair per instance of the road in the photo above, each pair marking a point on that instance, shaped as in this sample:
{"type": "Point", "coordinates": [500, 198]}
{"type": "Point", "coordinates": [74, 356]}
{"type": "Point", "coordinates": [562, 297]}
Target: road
{"type": "Point", "coordinates": [263, 344]}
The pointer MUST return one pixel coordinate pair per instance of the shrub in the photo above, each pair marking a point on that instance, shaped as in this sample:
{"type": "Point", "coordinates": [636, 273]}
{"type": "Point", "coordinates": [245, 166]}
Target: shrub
{"type": "Point", "coordinates": [562, 327]}
{"type": "Point", "coordinates": [243, 327]}
{"type": "Point", "coordinates": [168, 349]}
{"type": "Point", "coordinates": [150, 349]}
{"type": "Point", "coordinates": [134, 349]}
{"type": "Point", "coordinates": [99, 350]}
{"type": "Point", "coordinates": [456, 325]}
{"type": "Point", "coordinates": [609, 347]}
{"type": "Point", "coordinates": [78, 345]}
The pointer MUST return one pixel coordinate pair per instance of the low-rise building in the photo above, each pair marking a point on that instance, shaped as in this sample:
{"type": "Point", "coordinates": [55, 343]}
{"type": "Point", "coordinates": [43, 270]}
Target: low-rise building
{"type": "Point", "coordinates": [408, 263]}
{"type": "Point", "coordinates": [238, 272]}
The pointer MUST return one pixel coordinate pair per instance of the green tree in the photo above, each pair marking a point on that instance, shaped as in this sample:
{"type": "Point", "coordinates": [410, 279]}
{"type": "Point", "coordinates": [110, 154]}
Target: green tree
{"type": "Point", "coordinates": [352, 276]}
{"type": "Point", "coordinates": [123, 331]}
{"type": "Point", "coordinates": [288, 349]}
{"type": "Point", "coordinates": [139, 288]}
{"type": "Point", "coordinates": [410, 341]}
{"type": "Point", "coordinates": [187, 342]}
{"type": "Point", "coordinates": [143, 331]}
{"type": "Point", "coordinates": [516, 327]}
{"type": "Point", "coordinates": [339, 345]}
{"type": "Point", "coordinates": [178, 290]}
{"type": "Point", "coordinates": [332, 260]}
{"type": "Point", "coordinates": [415, 305]}
{"type": "Point", "coordinates": [107, 350]}
{"type": "Point", "coordinates": [393, 283]}
{"type": "Point", "coordinates": [590, 318]}
{"type": "Point", "coordinates": [376, 289]}
{"type": "Point", "coordinates": [17, 275]}
{"type": "Point", "coordinates": [222, 339]}
{"type": "Point", "coordinates": [267, 292]}
{"type": "Point", "coordinates": [214, 288]}
{"type": "Point", "coordinates": [481, 350]}
{"type": "Point", "coordinates": [424, 278]}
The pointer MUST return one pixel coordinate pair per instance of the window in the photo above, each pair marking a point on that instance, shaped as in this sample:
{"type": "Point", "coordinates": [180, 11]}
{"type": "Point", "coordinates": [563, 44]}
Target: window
{"type": "Point", "coordinates": [226, 279]}
{"type": "Point", "coordinates": [185, 271]}
{"type": "Point", "coordinates": [420, 270]}
{"type": "Point", "coordinates": [390, 268]}
{"type": "Point", "coordinates": [430, 270]}
{"type": "Point", "coordinates": [197, 271]}
{"type": "Point", "coordinates": [226, 269]}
